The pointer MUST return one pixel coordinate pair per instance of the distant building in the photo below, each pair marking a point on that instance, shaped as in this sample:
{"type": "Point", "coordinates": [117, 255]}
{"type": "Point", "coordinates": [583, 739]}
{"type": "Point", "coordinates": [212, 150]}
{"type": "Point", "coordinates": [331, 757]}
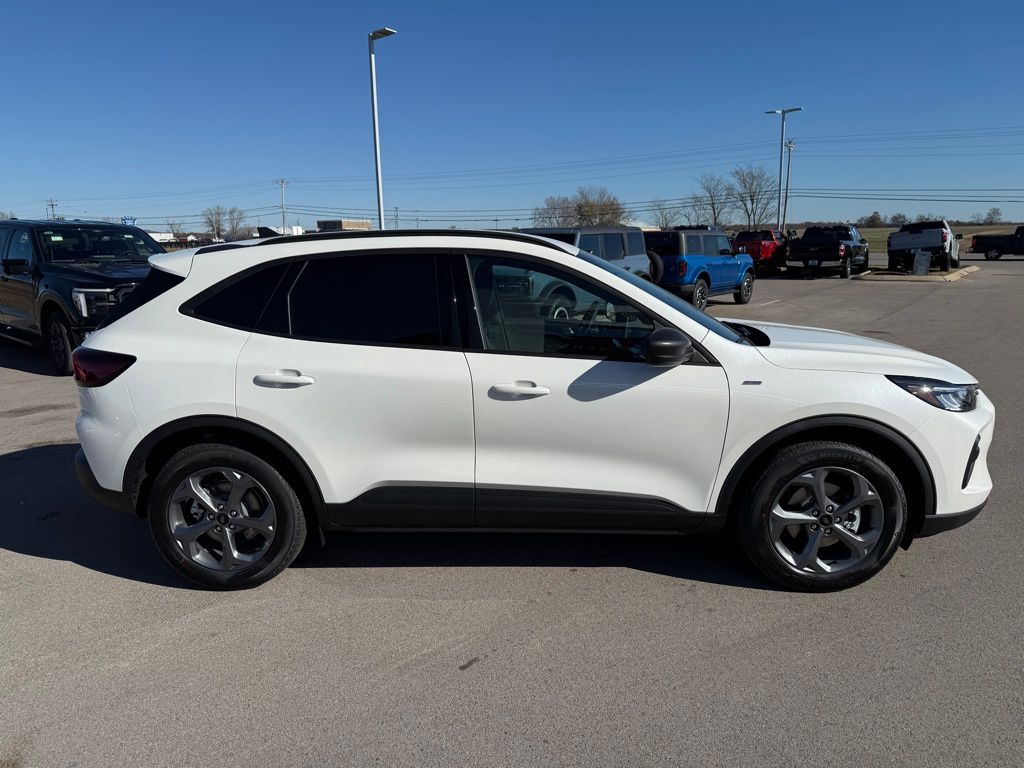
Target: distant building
{"type": "Point", "coordinates": [338, 225]}
{"type": "Point", "coordinates": [170, 237]}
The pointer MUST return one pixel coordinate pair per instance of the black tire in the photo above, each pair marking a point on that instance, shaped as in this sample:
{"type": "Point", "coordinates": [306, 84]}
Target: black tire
{"type": "Point", "coordinates": [845, 269]}
{"type": "Point", "coordinates": [558, 307]}
{"type": "Point", "coordinates": [289, 525]}
{"type": "Point", "coordinates": [894, 265]}
{"type": "Point", "coordinates": [745, 292]}
{"type": "Point", "coordinates": [753, 525]}
{"type": "Point", "coordinates": [944, 261]}
{"type": "Point", "coordinates": [992, 255]}
{"type": "Point", "coordinates": [794, 272]}
{"type": "Point", "coordinates": [59, 343]}
{"type": "Point", "coordinates": [701, 292]}
{"type": "Point", "coordinates": [657, 267]}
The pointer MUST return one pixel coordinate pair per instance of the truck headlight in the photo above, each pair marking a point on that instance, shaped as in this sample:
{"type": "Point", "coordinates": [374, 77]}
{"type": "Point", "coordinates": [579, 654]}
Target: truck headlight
{"type": "Point", "coordinates": [93, 301]}
{"type": "Point", "coordinates": [941, 394]}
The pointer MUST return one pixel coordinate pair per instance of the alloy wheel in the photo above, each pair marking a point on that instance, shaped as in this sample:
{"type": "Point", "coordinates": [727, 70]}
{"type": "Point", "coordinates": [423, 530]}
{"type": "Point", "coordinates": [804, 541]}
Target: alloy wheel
{"type": "Point", "coordinates": [222, 518]}
{"type": "Point", "coordinates": [700, 296]}
{"type": "Point", "coordinates": [747, 289]}
{"type": "Point", "coordinates": [826, 520]}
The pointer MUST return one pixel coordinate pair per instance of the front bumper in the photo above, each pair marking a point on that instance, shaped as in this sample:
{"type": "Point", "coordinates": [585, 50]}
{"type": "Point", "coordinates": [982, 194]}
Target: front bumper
{"type": "Point", "coordinates": [116, 500]}
{"type": "Point", "coordinates": [934, 524]}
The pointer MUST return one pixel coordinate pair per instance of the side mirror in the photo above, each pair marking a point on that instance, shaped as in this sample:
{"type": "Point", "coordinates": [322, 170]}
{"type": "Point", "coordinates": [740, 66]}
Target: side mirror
{"type": "Point", "coordinates": [958, 236]}
{"type": "Point", "coordinates": [741, 249]}
{"type": "Point", "coordinates": [668, 347]}
{"type": "Point", "coordinates": [15, 266]}
{"type": "Point", "coordinates": [863, 241]}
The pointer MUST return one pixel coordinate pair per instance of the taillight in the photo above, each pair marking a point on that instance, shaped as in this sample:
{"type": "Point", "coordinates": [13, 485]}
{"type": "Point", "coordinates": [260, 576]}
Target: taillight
{"type": "Point", "coordinates": [842, 248]}
{"type": "Point", "coordinates": [945, 235]}
{"type": "Point", "coordinates": [888, 241]}
{"type": "Point", "coordinates": [974, 241]}
{"type": "Point", "coordinates": [682, 267]}
{"type": "Point", "coordinates": [94, 367]}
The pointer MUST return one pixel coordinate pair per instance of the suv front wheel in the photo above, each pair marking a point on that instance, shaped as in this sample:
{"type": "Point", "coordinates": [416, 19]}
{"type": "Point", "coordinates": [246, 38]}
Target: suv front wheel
{"type": "Point", "coordinates": [822, 516]}
{"type": "Point", "coordinates": [59, 344]}
{"type": "Point", "coordinates": [224, 518]}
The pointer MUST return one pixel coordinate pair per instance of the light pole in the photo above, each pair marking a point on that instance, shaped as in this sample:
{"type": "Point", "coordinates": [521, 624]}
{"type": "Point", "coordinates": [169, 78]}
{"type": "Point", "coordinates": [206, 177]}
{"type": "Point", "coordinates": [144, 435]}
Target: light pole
{"type": "Point", "coordinates": [789, 167]}
{"type": "Point", "coordinates": [782, 142]}
{"type": "Point", "coordinates": [377, 34]}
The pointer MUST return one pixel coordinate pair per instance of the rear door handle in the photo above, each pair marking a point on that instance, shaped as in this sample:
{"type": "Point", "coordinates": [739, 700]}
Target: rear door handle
{"type": "Point", "coordinates": [520, 388]}
{"type": "Point", "coordinates": [286, 378]}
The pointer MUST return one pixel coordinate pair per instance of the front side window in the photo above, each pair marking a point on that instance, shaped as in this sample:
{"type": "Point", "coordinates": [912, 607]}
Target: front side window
{"type": "Point", "coordinates": [722, 247]}
{"type": "Point", "coordinates": [5, 235]}
{"type": "Point", "coordinates": [21, 247]}
{"type": "Point", "coordinates": [635, 240]}
{"type": "Point", "coordinates": [367, 298]}
{"type": "Point", "coordinates": [528, 308]}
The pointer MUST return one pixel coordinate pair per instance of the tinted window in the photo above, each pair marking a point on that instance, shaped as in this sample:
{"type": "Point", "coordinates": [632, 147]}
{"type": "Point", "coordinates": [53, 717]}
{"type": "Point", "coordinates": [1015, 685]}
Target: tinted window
{"type": "Point", "coordinates": [826, 233]}
{"type": "Point", "coordinates": [375, 298]}
{"type": "Point", "coordinates": [613, 247]}
{"type": "Point", "coordinates": [693, 244]}
{"type": "Point", "coordinates": [21, 246]}
{"type": "Point", "coordinates": [663, 243]}
{"type": "Point", "coordinates": [96, 243]}
{"type": "Point", "coordinates": [591, 244]}
{"type": "Point", "coordinates": [635, 241]}
{"type": "Point", "coordinates": [721, 246]}
{"type": "Point", "coordinates": [746, 235]}
{"type": "Point", "coordinates": [240, 300]}
{"type": "Point", "coordinates": [156, 283]}
{"type": "Point", "coordinates": [5, 235]}
{"type": "Point", "coordinates": [533, 309]}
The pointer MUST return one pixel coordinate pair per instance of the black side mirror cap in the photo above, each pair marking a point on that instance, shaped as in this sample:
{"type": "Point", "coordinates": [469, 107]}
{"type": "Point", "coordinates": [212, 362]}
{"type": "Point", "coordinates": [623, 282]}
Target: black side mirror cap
{"type": "Point", "coordinates": [669, 347]}
{"type": "Point", "coordinates": [958, 236]}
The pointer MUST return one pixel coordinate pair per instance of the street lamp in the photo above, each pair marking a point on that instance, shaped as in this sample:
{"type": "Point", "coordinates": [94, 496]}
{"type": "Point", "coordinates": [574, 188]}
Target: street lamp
{"type": "Point", "coordinates": [782, 146]}
{"type": "Point", "coordinates": [377, 34]}
{"type": "Point", "coordinates": [789, 168]}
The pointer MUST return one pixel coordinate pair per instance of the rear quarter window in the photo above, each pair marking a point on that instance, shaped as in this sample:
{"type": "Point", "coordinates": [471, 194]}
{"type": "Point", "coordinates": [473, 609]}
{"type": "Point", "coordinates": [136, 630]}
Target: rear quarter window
{"type": "Point", "coordinates": [238, 301]}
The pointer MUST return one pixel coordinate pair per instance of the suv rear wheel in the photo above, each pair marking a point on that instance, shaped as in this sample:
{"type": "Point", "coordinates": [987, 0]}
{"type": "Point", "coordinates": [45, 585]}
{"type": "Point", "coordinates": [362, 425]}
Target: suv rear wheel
{"type": "Point", "coordinates": [822, 516]}
{"type": "Point", "coordinates": [224, 518]}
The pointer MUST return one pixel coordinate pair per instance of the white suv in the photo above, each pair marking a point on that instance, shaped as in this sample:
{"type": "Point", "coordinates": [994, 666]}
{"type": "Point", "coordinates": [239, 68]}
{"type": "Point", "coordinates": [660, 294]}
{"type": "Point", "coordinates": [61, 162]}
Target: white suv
{"type": "Point", "coordinates": [244, 396]}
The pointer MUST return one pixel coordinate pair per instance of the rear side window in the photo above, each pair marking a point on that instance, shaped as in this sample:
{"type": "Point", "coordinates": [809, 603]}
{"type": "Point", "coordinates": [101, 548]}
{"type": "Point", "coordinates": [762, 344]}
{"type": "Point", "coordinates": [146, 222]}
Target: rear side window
{"type": "Point", "coordinates": [613, 247]}
{"type": "Point", "coordinates": [635, 241]}
{"type": "Point", "coordinates": [693, 245]}
{"type": "Point", "coordinates": [157, 282]}
{"type": "Point", "coordinates": [373, 298]}
{"type": "Point", "coordinates": [590, 244]}
{"type": "Point", "coordinates": [239, 301]}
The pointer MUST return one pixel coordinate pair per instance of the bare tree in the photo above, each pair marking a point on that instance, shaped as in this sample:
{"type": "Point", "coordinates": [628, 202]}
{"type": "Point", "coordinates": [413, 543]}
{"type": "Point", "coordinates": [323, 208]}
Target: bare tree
{"type": "Point", "coordinates": [755, 192]}
{"type": "Point", "coordinates": [587, 207]}
{"type": "Point", "coordinates": [898, 219]}
{"type": "Point", "coordinates": [993, 216]}
{"type": "Point", "coordinates": [177, 230]}
{"type": "Point", "coordinates": [718, 198]}
{"type": "Point", "coordinates": [6, 215]}
{"type": "Point", "coordinates": [214, 220]}
{"type": "Point", "coordinates": [235, 224]}
{"type": "Point", "coordinates": [872, 220]}
{"type": "Point", "coordinates": [665, 215]}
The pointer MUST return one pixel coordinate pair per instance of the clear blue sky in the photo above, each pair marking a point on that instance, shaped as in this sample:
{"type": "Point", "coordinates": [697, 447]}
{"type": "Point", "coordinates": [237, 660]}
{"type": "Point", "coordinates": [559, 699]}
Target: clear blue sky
{"type": "Point", "coordinates": [161, 109]}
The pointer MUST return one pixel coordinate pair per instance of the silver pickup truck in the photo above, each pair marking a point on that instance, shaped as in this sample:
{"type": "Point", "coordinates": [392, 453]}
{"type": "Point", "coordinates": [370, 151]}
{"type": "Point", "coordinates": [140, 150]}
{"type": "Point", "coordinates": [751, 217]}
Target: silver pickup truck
{"type": "Point", "coordinates": [935, 237]}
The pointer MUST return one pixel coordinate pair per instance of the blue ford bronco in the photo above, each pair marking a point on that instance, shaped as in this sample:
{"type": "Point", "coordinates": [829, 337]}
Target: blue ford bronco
{"type": "Point", "coordinates": [699, 262]}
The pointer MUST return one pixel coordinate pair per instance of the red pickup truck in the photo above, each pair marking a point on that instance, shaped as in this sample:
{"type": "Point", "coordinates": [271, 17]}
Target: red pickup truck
{"type": "Point", "coordinates": [761, 244]}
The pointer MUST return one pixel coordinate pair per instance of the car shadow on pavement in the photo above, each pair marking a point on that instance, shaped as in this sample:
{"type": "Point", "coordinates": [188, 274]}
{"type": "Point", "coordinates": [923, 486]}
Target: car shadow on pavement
{"type": "Point", "coordinates": [711, 559]}
{"type": "Point", "coordinates": [43, 513]}
{"type": "Point", "coordinates": [20, 357]}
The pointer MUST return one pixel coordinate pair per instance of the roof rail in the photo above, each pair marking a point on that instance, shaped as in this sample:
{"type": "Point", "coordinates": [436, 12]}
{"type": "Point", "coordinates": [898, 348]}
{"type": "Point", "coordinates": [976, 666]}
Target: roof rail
{"type": "Point", "coordinates": [357, 234]}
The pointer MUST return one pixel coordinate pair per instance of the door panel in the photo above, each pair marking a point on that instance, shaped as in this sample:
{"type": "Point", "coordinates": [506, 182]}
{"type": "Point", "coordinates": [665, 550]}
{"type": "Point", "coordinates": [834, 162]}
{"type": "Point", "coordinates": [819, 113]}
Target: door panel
{"type": "Point", "coordinates": [17, 292]}
{"type": "Point", "coordinates": [607, 427]}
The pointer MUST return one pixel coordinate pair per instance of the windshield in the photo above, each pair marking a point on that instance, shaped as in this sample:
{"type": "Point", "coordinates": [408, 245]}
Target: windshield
{"type": "Point", "coordinates": [97, 243]}
{"type": "Point", "coordinates": [676, 302]}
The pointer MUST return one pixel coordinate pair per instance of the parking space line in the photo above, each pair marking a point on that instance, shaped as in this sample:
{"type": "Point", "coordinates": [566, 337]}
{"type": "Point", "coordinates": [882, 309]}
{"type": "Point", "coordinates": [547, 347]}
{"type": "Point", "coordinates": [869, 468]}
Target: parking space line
{"type": "Point", "coordinates": [773, 301]}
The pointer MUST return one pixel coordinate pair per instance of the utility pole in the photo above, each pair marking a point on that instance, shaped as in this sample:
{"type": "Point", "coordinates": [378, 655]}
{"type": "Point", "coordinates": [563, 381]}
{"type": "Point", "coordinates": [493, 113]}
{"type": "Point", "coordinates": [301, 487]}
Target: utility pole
{"type": "Point", "coordinates": [282, 183]}
{"type": "Point", "coordinates": [377, 34]}
{"type": "Point", "coordinates": [789, 168]}
{"type": "Point", "coordinates": [417, 222]}
{"type": "Point", "coordinates": [52, 205]}
{"type": "Point", "coordinates": [782, 142]}
{"type": "Point", "coordinates": [495, 222]}
{"type": "Point", "coordinates": [396, 217]}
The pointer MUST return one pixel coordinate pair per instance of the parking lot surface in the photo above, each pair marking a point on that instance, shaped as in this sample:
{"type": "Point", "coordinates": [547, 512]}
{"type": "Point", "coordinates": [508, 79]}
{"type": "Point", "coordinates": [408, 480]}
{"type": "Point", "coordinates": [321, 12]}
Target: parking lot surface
{"type": "Point", "coordinates": [497, 649]}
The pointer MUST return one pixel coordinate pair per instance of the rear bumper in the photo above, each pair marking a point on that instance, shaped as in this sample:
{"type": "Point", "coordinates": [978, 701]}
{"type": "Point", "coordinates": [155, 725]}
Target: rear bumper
{"type": "Point", "coordinates": [822, 263]}
{"type": "Point", "coordinates": [934, 524]}
{"type": "Point", "coordinates": [116, 500]}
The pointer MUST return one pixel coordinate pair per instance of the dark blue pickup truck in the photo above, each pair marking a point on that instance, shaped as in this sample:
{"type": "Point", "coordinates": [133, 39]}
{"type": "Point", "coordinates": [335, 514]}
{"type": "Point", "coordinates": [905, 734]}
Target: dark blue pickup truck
{"type": "Point", "coordinates": [699, 262]}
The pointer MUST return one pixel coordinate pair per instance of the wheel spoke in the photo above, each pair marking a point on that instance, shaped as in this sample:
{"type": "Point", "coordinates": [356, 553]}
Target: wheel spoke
{"type": "Point", "coordinates": [200, 494]}
{"type": "Point", "coordinates": [859, 545]}
{"type": "Point", "coordinates": [863, 494]}
{"type": "Point", "coordinates": [230, 557]}
{"type": "Point", "coordinates": [264, 523]}
{"type": "Point", "coordinates": [240, 485]}
{"type": "Point", "coordinates": [783, 518]}
{"type": "Point", "coordinates": [808, 557]}
{"type": "Point", "coordinates": [187, 534]}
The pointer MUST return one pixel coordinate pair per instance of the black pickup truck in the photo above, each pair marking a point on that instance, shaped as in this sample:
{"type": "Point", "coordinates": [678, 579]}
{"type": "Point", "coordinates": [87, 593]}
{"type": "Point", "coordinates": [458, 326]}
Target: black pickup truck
{"type": "Point", "coordinates": [838, 248]}
{"type": "Point", "coordinates": [994, 246]}
{"type": "Point", "coordinates": [59, 279]}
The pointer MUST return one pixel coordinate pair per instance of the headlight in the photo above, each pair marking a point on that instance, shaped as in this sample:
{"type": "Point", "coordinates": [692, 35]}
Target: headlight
{"type": "Point", "coordinates": [93, 301]}
{"type": "Point", "coordinates": [941, 394]}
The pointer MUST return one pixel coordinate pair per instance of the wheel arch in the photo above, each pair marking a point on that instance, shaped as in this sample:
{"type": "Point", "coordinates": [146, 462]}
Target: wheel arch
{"type": "Point", "coordinates": [160, 444]}
{"type": "Point", "coordinates": [49, 303]}
{"type": "Point", "coordinates": [889, 445]}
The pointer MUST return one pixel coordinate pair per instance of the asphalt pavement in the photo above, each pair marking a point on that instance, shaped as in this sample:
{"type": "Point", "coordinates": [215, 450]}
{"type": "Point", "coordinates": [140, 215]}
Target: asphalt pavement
{"type": "Point", "coordinates": [502, 650]}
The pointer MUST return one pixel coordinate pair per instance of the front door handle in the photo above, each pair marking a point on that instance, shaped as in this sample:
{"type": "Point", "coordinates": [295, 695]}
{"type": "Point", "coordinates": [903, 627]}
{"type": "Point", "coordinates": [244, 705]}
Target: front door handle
{"type": "Point", "coordinates": [286, 378]}
{"type": "Point", "coordinates": [520, 388]}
